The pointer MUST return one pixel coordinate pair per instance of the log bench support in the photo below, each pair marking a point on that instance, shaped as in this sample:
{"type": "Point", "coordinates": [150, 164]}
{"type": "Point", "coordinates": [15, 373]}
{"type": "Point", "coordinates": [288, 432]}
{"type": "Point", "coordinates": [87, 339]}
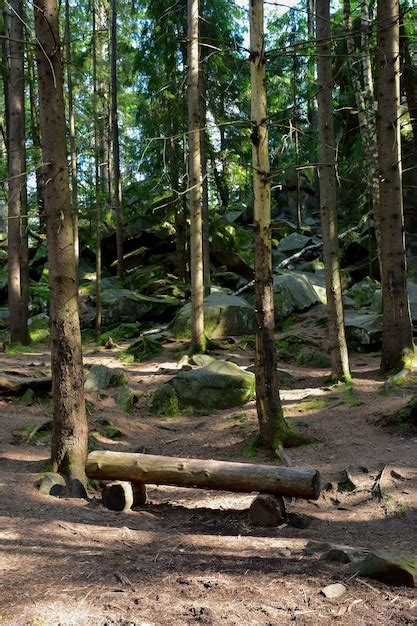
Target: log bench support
{"type": "Point", "coordinates": [133, 471]}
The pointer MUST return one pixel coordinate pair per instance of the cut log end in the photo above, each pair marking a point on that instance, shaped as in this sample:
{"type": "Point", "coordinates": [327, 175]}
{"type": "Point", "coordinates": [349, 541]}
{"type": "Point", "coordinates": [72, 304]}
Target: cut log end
{"type": "Point", "coordinates": [122, 495]}
{"type": "Point", "coordinates": [267, 510]}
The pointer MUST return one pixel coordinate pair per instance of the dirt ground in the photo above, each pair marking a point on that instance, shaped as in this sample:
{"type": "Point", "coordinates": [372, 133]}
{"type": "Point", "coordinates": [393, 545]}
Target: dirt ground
{"type": "Point", "coordinates": [190, 556]}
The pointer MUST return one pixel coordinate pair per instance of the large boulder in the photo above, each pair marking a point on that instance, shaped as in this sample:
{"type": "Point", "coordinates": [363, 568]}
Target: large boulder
{"type": "Point", "coordinates": [220, 385]}
{"type": "Point", "coordinates": [362, 293]}
{"type": "Point", "coordinates": [224, 315]}
{"type": "Point", "coordinates": [293, 291]}
{"type": "Point", "coordinates": [125, 306]}
{"type": "Point", "coordinates": [38, 327]}
{"type": "Point", "coordinates": [363, 329]}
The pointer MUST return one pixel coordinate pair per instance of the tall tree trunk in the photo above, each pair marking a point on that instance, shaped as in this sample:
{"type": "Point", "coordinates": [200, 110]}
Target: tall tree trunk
{"type": "Point", "coordinates": [362, 83]}
{"type": "Point", "coordinates": [97, 174]}
{"type": "Point", "coordinates": [71, 120]}
{"type": "Point", "coordinates": [204, 177]}
{"type": "Point", "coordinates": [196, 239]}
{"type": "Point", "coordinates": [17, 273]}
{"type": "Point", "coordinates": [117, 183]}
{"type": "Point", "coordinates": [397, 335]}
{"type": "Point", "coordinates": [273, 428]}
{"type": "Point", "coordinates": [409, 80]}
{"type": "Point", "coordinates": [69, 434]}
{"type": "Point", "coordinates": [36, 141]}
{"type": "Point", "coordinates": [328, 199]}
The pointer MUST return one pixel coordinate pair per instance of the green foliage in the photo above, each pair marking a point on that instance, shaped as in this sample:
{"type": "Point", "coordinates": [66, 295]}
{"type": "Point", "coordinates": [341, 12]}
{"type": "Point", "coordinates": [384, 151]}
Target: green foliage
{"type": "Point", "coordinates": [143, 349]}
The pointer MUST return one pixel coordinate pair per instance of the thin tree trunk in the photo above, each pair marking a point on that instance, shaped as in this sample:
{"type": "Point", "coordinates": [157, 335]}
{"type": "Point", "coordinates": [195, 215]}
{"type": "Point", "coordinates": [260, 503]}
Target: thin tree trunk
{"type": "Point", "coordinates": [273, 428]}
{"type": "Point", "coordinates": [117, 183]}
{"type": "Point", "coordinates": [365, 103]}
{"type": "Point", "coordinates": [328, 199]}
{"type": "Point", "coordinates": [17, 273]}
{"type": "Point", "coordinates": [397, 334]}
{"type": "Point", "coordinates": [69, 434]}
{"type": "Point", "coordinates": [73, 145]}
{"type": "Point", "coordinates": [196, 238]}
{"type": "Point", "coordinates": [36, 141]}
{"type": "Point", "coordinates": [204, 179]}
{"type": "Point", "coordinates": [409, 80]}
{"type": "Point", "coordinates": [97, 177]}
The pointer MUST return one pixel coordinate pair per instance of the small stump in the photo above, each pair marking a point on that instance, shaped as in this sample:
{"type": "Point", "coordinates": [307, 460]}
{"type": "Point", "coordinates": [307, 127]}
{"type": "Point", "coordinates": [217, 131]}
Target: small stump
{"type": "Point", "coordinates": [267, 510]}
{"type": "Point", "coordinates": [122, 495]}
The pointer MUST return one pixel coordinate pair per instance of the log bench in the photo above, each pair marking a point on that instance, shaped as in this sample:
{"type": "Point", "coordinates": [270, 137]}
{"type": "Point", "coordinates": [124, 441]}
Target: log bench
{"type": "Point", "coordinates": [133, 471]}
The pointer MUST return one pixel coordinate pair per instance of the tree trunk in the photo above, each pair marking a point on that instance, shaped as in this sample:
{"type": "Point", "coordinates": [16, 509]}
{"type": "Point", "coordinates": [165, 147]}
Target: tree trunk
{"type": "Point", "coordinates": [36, 141]}
{"type": "Point", "coordinates": [97, 175]}
{"type": "Point", "coordinates": [409, 80]}
{"type": "Point", "coordinates": [204, 178]}
{"type": "Point", "coordinates": [196, 239]}
{"type": "Point", "coordinates": [73, 146]}
{"type": "Point", "coordinates": [205, 474]}
{"type": "Point", "coordinates": [328, 200]}
{"type": "Point", "coordinates": [364, 97]}
{"type": "Point", "coordinates": [16, 168]}
{"type": "Point", "coordinates": [397, 335]}
{"type": "Point", "coordinates": [117, 183]}
{"type": "Point", "coordinates": [273, 428]}
{"type": "Point", "coordinates": [69, 434]}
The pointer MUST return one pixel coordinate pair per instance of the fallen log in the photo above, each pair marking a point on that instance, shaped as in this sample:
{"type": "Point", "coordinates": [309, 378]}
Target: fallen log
{"type": "Point", "coordinates": [205, 474]}
{"type": "Point", "coordinates": [15, 385]}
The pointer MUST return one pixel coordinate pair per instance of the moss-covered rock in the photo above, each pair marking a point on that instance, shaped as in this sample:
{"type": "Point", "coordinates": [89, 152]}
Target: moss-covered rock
{"type": "Point", "coordinates": [126, 399]}
{"type": "Point", "coordinates": [101, 377]}
{"type": "Point", "coordinates": [391, 569]}
{"type": "Point", "coordinates": [362, 293]}
{"type": "Point", "coordinates": [292, 292]}
{"type": "Point", "coordinates": [224, 315]}
{"type": "Point", "coordinates": [38, 327]}
{"type": "Point", "coordinates": [120, 332]}
{"type": "Point", "coordinates": [220, 385]}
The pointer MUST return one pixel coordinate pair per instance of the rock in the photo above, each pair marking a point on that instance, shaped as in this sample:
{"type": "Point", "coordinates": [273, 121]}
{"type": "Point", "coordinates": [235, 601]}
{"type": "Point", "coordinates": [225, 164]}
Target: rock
{"type": "Point", "coordinates": [52, 484]}
{"type": "Point", "coordinates": [120, 332]}
{"type": "Point", "coordinates": [267, 510]}
{"type": "Point", "coordinates": [296, 520]}
{"type": "Point", "coordinates": [224, 315]}
{"type": "Point", "coordinates": [38, 327]}
{"type": "Point", "coordinates": [363, 329]}
{"type": "Point", "coordinates": [220, 385]}
{"type": "Point", "coordinates": [344, 554]}
{"type": "Point", "coordinates": [101, 377]}
{"type": "Point", "coordinates": [202, 360]}
{"type": "Point", "coordinates": [294, 243]}
{"type": "Point", "coordinates": [285, 379]}
{"type": "Point", "coordinates": [389, 568]}
{"type": "Point", "coordinates": [292, 292]}
{"type": "Point", "coordinates": [312, 357]}
{"type": "Point", "coordinates": [362, 293]}
{"type": "Point", "coordinates": [126, 399]}
{"type": "Point", "coordinates": [125, 306]}
{"type": "Point", "coordinates": [337, 590]}
{"type": "Point", "coordinates": [27, 398]}
{"type": "Point", "coordinates": [144, 348]}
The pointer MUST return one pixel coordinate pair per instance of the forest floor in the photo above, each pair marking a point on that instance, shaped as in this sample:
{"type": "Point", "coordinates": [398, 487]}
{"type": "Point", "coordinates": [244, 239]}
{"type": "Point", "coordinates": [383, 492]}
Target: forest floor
{"type": "Point", "coordinates": [190, 556]}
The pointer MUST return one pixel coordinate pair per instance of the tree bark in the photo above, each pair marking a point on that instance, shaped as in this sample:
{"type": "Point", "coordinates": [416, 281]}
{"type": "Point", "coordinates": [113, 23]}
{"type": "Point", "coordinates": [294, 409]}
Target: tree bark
{"type": "Point", "coordinates": [69, 433]}
{"type": "Point", "coordinates": [397, 335]}
{"type": "Point", "coordinates": [117, 183]}
{"type": "Point", "coordinates": [328, 200]}
{"type": "Point", "coordinates": [204, 474]}
{"type": "Point", "coordinates": [273, 428]}
{"type": "Point", "coordinates": [196, 229]}
{"type": "Point", "coordinates": [17, 272]}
